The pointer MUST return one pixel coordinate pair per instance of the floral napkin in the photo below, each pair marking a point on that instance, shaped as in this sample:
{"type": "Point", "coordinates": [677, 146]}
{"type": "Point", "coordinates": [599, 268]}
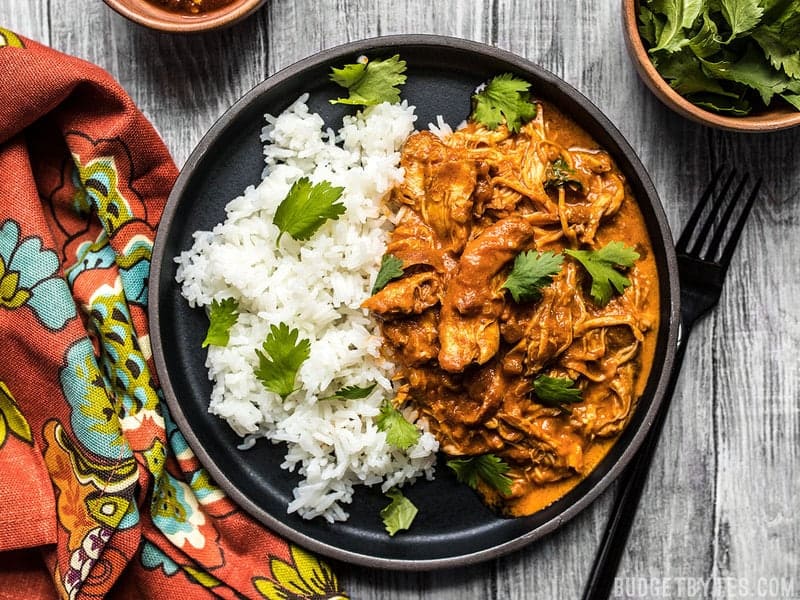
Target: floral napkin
{"type": "Point", "coordinates": [99, 492]}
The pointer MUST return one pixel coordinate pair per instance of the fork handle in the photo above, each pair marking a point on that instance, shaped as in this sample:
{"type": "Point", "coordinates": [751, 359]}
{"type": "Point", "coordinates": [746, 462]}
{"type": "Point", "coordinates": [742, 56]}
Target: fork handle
{"type": "Point", "coordinates": [629, 490]}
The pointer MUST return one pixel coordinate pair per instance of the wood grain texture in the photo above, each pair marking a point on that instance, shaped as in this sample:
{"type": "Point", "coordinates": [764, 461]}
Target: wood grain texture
{"type": "Point", "coordinates": [721, 501]}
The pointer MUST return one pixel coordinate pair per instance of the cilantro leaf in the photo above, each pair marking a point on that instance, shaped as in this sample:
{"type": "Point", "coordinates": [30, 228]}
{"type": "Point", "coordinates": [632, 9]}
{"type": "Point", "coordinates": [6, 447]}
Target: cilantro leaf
{"type": "Point", "coordinates": [730, 56]}
{"type": "Point", "coordinates": [679, 14]}
{"type": "Point", "coordinates": [647, 25]}
{"type": "Point", "coordinates": [602, 267]}
{"type": "Point", "coordinates": [306, 207]}
{"type": "Point", "coordinates": [371, 82]}
{"type": "Point", "coordinates": [353, 392]}
{"type": "Point", "coordinates": [752, 71]}
{"type": "Point", "coordinates": [559, 174]}
{"type": "Point", "coordinates": [399, 514]}
{"type": "Point", "coordinates": [532, 272]}
{"type": "Point", "coordinates": [222, 316]}
{"type": "Point", "coordinates": [793, 99]}
{"type": "Point", "coordinates": [391, 268]}
{"type": "Point", "coordinates": [722, 104]}
{"type": "Point", "coordinates": [488, 468]}
{"type": "Point", "coordinates": [685, 74]}
{"type": "Point", "coordinates": [706, 41]}
{"type": "Point", "coordinates": [281, 358]}
{"type": "Point", "coordinates": [399, 432]}
{"type": "Point", "coordinates": [777, 48]}
{"type": "Point", "coordinates": [504, 97]}
{"type": "Point", "coordinates": [556, 391]}
{"type": "Point", "coordinates": [741, 15]}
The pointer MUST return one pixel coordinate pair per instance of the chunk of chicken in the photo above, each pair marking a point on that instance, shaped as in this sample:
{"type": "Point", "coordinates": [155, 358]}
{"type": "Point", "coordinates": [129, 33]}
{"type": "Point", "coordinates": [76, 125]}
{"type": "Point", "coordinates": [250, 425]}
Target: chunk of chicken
{"type": "Point", "coordinates": [415, 243]}
{"type": "Point", "coordinates": [438, 183]}
{"type": "Point", "coordinates": [468, 327]}
{"type": "Point", "coordinates": [415, 340]}
{"type": "Point", "coordinates": [409, 295]}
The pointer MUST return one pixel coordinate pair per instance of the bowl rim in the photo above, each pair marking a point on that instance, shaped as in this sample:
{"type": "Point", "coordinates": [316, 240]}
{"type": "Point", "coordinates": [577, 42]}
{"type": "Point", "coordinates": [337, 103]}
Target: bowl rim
{"type": "Point", "coordinates": [221, 18]}
{"type": "Point", "coordinates": [668, 281]}
{"type": "Point", "coordinates": [764, 122]}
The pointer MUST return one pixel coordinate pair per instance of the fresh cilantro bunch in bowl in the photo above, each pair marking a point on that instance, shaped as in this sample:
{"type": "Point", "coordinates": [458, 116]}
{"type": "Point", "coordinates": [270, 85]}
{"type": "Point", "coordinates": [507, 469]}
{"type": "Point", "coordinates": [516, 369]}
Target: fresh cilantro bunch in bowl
{"type": "Point", "coordinates": [731, 64]}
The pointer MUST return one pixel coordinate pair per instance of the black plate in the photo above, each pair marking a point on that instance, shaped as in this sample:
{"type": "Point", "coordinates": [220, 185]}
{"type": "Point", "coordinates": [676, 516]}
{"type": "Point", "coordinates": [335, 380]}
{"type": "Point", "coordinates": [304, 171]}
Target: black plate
{"type": "Point", "coordinates": [452, 527]}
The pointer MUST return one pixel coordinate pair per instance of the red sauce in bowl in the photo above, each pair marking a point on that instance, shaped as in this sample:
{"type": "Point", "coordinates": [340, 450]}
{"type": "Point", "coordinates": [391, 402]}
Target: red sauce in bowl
{"type": "Point", "coordinates": [190, 7]}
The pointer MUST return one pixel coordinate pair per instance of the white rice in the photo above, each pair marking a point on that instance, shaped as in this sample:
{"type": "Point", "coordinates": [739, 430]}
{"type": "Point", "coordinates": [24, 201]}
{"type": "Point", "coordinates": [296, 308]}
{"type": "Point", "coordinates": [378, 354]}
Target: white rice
{"type": "Point", "coordinates": [315, 286]}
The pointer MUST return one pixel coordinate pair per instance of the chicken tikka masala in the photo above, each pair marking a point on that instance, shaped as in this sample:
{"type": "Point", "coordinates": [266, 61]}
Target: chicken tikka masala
{"type": "Point", "coordinates": [523, 313]}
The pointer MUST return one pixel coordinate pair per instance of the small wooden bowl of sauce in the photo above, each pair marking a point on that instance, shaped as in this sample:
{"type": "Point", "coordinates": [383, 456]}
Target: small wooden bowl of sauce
{"type": "Point", "coordinates": [180, 16]}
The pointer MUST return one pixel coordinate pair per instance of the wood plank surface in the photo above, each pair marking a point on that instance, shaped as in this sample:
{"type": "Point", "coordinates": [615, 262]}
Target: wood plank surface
{"type": "Point", "coordinates": [719, 515]}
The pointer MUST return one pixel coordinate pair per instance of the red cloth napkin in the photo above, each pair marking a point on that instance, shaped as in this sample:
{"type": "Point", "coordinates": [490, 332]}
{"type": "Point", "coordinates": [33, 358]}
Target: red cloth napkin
{"type": "Point", "coordinates": [99, 492]}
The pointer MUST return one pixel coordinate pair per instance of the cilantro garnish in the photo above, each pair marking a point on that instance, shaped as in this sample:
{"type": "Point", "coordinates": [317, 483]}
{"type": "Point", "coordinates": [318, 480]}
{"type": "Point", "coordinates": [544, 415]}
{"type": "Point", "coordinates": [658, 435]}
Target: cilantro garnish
{"type": "Point", "coordinates": [556, 391]}
{"type": "Point", "coordinates": [391, 268]}
{"type": "Point", "coordinates": [222, 315]}
{"type": "Point", "coordinates": [728, 56]}
{"type": "Point", "coordinates": [505, 97]}
{"type": "Point", "coordinates": [371, 82]}
{"type": "Point", "coordinates": [399, 514]}
{"type": "Point", "coordinates": [532, 272]}
{"type": "Point", "coordinates": [352, 392]}
{"type": "Point", "coordinates": [559, 174]}
{"type": "Point", "coordinates": [306, 207]}
{"type": "Point", "coordinates": [399, 432]}
{"type": "Point", "coordinates": [487, 468]}
{"type": "Point", "coordinates": [602, 267]}
{"type": "Point", "coordinates": [281, 358]}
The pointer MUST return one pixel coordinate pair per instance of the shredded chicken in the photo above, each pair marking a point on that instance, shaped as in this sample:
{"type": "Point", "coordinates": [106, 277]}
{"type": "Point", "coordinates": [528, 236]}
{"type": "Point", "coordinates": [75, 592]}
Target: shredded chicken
{"type": "Point", "coordinates": [467, 352]}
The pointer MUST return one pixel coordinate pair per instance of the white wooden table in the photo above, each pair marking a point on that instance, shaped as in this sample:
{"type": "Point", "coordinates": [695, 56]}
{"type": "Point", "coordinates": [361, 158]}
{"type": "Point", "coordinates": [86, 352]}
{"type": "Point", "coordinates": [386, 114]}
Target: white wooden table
{"type": "Point", "coordinates": [720, 513]}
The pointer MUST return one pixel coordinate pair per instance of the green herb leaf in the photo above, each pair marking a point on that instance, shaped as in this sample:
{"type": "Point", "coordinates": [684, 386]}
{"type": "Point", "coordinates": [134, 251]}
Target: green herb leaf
{"type": "Point", "coordinates": [602, 267]}
{"type": "Point", "coordinates": [532, 272]}
{"type": "Point", "coordinates": [647, 25]}
{"type": "Point", "coordinates": [556, 391]}
{"type": "Point", "coordinates": [282, 355]}
{"type": "Point", "coordinates": [779, 49]}
{"type": "Point", "coordinates": [505, 97]}
{"type": "Point", "coordinates": [731, 57]}
{"type": "Point", "coordinates": [721, 104]}
{"type": "Point", "coordinates": [741, 15]}
{"type": "Point", "coordinates": [679, 14]}
{"type": "Point", "coordinates": [222, 316]}
{"type": "Point", "coordinates": [793, 99]}
{"type": "Point", "coordinates": [685, 74]}
{"type": "Point", "coordinates": [371, 82]}
{"type": "Point", "coordinates": [399, 514]}
{"type": "Point", "coordinates": [391, 268]}
{"type": "Point", "coordinates": [559, 173]}
{"type": "Point", "coordinates": [306, 208]}
{"type": "Point", "coordinates": [706, 41]}
{"type": "Point", "coordinates": [487, 468]}
{"type": "Point", "coordinates": [353, 392]}
{"type": "Point", "coordinates": [399, 432]}
{"type": "Point", "coordinates": [751, 70]}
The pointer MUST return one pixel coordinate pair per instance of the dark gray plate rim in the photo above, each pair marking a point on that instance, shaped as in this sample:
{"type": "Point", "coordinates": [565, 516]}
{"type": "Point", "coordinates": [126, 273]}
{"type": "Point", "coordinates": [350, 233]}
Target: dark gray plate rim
{"type": "Point", "coordinates": [346, 542]}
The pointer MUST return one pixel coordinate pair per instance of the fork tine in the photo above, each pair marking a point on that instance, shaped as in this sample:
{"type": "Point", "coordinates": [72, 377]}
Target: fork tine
{"type": "Point", "coordinates": [727, 253]}
{"type": "Point", "coordinates": [712, 215]}
{"type": "Point", "coordinates": [686, 235]}
{"type": "Point", "coordinates": [726, 217]}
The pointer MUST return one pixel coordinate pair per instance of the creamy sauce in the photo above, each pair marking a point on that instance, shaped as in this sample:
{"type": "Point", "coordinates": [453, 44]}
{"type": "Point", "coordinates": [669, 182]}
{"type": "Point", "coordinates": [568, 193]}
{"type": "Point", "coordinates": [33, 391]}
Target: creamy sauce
{"type": "Point", "coordinates": [627, 224]}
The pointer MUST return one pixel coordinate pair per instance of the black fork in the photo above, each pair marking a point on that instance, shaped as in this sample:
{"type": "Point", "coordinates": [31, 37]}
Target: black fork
{"type": "Point", "coordinates": [701, 268]}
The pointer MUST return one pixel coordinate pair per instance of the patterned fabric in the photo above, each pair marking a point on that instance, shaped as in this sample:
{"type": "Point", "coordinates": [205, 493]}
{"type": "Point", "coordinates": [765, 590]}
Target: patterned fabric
{"type": "Point", "coordinates": [96, 481]}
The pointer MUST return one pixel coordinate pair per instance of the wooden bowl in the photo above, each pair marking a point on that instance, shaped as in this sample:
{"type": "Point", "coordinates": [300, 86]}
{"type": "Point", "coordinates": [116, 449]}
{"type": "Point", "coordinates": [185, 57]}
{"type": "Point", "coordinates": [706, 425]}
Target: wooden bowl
{"type": "Point", "coordinates": [779, 117]}
{"type": "Point", "coordinates": [151, 15]}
